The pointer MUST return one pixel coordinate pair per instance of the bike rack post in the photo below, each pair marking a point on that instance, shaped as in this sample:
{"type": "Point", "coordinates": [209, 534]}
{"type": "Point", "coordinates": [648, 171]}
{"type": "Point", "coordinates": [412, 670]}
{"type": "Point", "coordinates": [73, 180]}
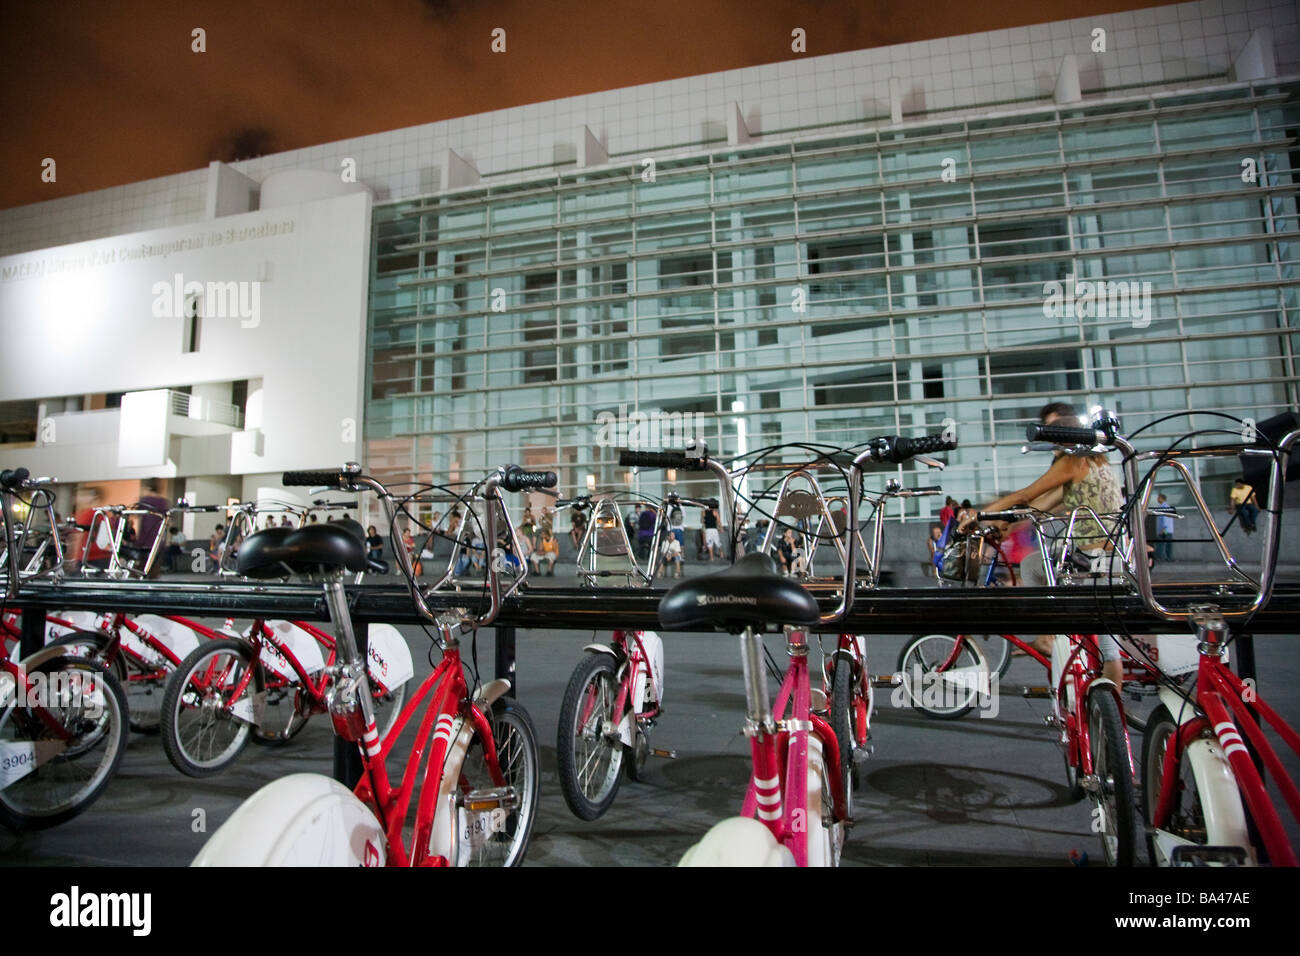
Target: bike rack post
{"type": "Point", "coordinates": [33, 635]}
{"type": "Point", "coordinates": [504, 641]}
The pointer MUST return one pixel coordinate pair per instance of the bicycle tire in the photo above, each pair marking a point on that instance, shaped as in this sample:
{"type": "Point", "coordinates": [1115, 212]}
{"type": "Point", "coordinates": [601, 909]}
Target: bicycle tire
{"type": "Point", "coordinates": [36, 801]}
{"type": "Point", "coordinates": [843, 713]}
{"type": "Point", "coordinates": [519, 759]}
{"type": "Point", "coordinates": [186, 692]}
{"type": "Point", "coordinates": [921, 656]}
{"type": "Point", "coordinates": [589, 762]}
{"type": "Point", "coordinates": [636, 756]}
{"type": "Point", "coordinates": [1114, 802]}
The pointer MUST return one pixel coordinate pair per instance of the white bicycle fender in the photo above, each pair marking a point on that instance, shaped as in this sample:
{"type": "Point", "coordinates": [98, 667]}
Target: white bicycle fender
{"type": "Point", "coordinates": [80, 620]}
{"type": "Point", "coordinates": [653, 646]}
{"type": "Point", "coordinates": [489, 693]}
{"type": "Point", "coordinates": [388, 659]}
{"type": "Point", "coordinates": [177, 638]}
{"type": "Point", "coordinates": [599, 649]}
{"type": "Point", "coordinates": [304, 819]}
{"type": "Point", "coordinates": [738, 841]}
{"type": "Point", "coordinates": [1225, 817]}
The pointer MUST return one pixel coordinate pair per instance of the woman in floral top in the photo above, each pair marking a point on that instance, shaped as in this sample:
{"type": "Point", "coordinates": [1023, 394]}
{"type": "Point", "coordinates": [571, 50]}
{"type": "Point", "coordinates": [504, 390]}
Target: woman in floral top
{"type": "Point", "coordinates": [1071, 482]}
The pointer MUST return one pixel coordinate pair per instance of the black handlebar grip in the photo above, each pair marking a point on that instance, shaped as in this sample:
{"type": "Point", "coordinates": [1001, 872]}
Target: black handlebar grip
{"type": "Point", "coordinates": [312, 479]}
{"type": "Point", "coordinates": [1065, 435]}
{"type": "Point", "coordinates": [928, 490]}
{"type": "Point", "coordinates": [13, 478]}
{"type": "Point", "coordinates": [905, 448]}
{"type": "Point", "coordinates": [998, 516]}
{"type": "Point", "coordinates": [517, 479]}
{"type": "Point", "coordinates": [660, 459]}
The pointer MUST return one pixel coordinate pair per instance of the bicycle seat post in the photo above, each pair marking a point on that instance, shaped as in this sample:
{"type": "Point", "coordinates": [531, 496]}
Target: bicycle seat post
{"type": "Point", "coordinates": [758, 705]}
{"type": "Point", "coordinates": [350, 689]}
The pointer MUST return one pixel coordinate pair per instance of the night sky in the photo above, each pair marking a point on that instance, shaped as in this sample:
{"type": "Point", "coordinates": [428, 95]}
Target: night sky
{"type": "Point", "coordinates": [113, 92]}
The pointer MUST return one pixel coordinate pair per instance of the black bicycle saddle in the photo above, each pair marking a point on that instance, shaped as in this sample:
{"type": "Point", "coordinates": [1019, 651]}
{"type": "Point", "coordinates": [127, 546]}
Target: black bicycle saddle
{"type": "Point", "coordinates": [752, 592]}
{"type": "Point", "coordinates": [275, 552]}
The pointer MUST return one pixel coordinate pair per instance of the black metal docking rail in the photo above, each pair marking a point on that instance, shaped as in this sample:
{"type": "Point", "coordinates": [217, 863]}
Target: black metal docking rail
{"type": "Point", "coordinates": [1077, 609]}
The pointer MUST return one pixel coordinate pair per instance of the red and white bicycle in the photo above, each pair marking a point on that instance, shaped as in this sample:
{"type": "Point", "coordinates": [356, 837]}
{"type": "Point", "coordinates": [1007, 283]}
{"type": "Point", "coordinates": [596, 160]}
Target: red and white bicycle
{"type": "Point", "coordinates": [796, 808]}
{"type": "Point", "coordinates": [62, 718]}
{"type": "Point", "coordinates": [1205, 750]}
{"type": "Point", "coordinates": [475, 802]}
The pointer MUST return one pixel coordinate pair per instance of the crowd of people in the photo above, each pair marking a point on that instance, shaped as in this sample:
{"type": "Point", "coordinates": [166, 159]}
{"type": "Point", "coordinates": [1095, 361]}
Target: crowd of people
{"type": "Point", "coordinates": [1070, 482]}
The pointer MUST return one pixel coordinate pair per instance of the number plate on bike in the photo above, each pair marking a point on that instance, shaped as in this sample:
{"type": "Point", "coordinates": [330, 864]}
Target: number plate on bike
{"type": "Point", "coordinates": [477, 826]}
{"type": "Point", "coordinates": [17, 760]}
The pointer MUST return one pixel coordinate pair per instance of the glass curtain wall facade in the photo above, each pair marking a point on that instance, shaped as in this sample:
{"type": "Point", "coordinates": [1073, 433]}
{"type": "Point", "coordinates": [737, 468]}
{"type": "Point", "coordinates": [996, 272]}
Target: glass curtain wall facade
{"type": "Point", "coordinates": [836, 288]}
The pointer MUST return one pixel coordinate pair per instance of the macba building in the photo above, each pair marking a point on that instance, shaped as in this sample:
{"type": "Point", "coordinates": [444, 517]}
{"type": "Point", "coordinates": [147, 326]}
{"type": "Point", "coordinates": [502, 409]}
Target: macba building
{"type": "Point", "coordinates": [956, 231]}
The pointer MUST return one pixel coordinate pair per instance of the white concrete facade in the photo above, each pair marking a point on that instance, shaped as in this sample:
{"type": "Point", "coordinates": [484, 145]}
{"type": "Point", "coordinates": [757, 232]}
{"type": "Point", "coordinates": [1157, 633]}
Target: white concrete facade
{"type": "Point", "coordinates": [1163, 47]}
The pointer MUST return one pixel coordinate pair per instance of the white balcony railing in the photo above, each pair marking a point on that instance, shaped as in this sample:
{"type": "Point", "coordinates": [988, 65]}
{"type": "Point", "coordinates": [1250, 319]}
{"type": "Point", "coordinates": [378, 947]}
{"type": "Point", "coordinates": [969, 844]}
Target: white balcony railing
{"type": "Point", "coordinates": [219, 413]}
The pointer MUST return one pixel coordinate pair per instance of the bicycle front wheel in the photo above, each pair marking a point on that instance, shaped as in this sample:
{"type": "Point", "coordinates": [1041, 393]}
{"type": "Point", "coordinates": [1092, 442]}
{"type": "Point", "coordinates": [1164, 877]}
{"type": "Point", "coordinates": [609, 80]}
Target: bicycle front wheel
{"type": "Point", "coordinates": [209, 707]}
{"type": "Point", "coordinates": [587, 749]}
{"type": "Point", "coordinates": [1112, 789]}
{"type": "Point", "coordinates": [939, 682]}
{"type": "Point", "coordinates": [498, 834]}
{"type": "Point", "coordinates": [143, 693]}
{"type": "Point", "coordinates": [75, 737]}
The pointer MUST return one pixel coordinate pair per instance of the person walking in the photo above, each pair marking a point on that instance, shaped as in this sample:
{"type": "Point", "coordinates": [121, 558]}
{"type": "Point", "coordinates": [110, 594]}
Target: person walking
{"type": "Point", "coordinates": [712, 539]}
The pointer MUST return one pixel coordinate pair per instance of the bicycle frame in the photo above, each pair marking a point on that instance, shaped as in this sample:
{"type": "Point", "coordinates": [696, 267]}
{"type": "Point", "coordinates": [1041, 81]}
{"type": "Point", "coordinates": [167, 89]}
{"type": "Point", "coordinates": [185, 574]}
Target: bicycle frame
{"type": "Point", "coordinates": [638, 665]}
{"type": "Point", "coordinates": [779, 749]}
{"type": "Point", "coordinates": [446, 715]}
{"type": "Point", "coordinates": [1220, 695]}
{"type": "Point", "coordinates": [1220, 703]}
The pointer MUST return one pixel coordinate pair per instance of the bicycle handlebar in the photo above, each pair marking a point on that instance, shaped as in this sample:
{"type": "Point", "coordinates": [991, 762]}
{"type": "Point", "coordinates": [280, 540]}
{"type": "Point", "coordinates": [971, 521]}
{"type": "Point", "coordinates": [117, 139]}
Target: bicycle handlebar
{"type": "Point", "coordinates": [315, 479]}
{"type": "Point", "coordinates": [1067, 435]}
{"type": "Point", "coordinates": [12, 479]}
{"type": "Point", "coordinates": [897, 449]}
{"type": "Point", "coordinates": [662, 459]}
{"type": "Point", "coordinates": [517, 479]}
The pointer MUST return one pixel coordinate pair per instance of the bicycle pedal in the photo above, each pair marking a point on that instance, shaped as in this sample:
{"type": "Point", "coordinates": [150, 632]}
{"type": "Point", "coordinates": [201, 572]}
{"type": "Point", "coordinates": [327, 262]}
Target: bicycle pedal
{"type": "Point", "coordinates": [668, 754]}
{"type": "Point", "coordinates": [497, 798]}
{"type": "Point", "coordinates": [885, 683]}
{"type": "Point", "coordinates": [1039, 693]}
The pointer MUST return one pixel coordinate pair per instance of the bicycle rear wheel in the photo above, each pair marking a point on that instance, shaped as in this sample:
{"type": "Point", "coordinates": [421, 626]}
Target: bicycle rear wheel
{"type": "Point", "coordinates": [77, 733]}
{"type": "Point", "coordinates": [497, 835]}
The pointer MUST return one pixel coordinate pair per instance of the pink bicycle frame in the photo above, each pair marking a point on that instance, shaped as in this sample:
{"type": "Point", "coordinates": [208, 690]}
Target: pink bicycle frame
{"type": "Point", "coordinates": [776, 798]}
